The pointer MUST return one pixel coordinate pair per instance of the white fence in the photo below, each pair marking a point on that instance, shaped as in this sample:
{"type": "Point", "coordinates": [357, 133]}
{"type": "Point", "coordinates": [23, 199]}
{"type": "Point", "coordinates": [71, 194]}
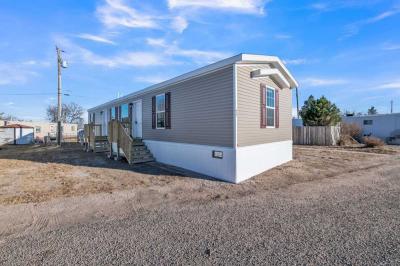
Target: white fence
{"type": "Point", "coordinates": [323, 136]}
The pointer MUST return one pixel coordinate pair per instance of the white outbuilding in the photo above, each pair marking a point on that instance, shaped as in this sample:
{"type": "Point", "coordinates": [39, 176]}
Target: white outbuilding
{"type": "Point", "coordinates": [16, 134]}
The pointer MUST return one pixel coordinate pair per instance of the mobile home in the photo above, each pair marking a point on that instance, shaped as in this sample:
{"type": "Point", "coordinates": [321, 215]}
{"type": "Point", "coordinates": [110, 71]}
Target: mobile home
{"type": "Point", "coordinates": [383, 126]}
{"type": "Point", "coordinates": [230, 120]}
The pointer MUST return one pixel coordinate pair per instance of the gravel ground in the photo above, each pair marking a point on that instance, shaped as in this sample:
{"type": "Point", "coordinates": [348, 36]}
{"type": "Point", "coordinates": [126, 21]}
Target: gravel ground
{"type": "Point", "coordinates": [352, 217]}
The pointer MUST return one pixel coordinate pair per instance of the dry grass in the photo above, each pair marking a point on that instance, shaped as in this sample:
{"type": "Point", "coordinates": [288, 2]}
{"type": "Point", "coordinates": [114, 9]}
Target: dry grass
{"type": "Point", "coordinates": [41, 173]}
{"type": "Point", "coordinates": [372, 142]}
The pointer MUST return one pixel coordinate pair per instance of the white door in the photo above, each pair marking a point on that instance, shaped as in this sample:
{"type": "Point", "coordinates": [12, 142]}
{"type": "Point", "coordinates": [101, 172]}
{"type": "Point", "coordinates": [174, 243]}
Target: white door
{"type": "Point", "coordinates": [137, 119]}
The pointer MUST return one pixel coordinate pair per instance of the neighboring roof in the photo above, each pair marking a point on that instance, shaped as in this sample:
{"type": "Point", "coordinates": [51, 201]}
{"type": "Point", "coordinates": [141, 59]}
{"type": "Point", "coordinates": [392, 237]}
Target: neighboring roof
{"type": "Point", "coordinates": [370, 116]}
{"type": "Point", "coordinates": [15, 126]}
{"type": "Point", "coordinates": [240, 58]}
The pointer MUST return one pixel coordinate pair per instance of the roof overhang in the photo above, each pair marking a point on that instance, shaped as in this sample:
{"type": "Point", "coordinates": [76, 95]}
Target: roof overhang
{"type": "Point", "coordinates": [274, 73]}
{"type": "Point", "coordinates": [275, 62]}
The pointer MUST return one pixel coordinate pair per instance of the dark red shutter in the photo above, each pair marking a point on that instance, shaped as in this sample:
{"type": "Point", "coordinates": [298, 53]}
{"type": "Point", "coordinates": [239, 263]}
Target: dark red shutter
{"type": "Point", "coordinates": [263, 109]}
{"type": "Point", "coordinates": [168, 110]}
{"type": "Point", "coordinates": [153, 112]}
{"type": "Point", "coordinates": [277, 108]}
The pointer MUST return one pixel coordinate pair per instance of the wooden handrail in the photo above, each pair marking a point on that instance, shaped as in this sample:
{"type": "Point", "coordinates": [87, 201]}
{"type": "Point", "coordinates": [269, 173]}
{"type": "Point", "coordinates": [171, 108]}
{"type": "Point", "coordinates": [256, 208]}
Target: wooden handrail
{"type": "Point", "coordinates": [119, 134]}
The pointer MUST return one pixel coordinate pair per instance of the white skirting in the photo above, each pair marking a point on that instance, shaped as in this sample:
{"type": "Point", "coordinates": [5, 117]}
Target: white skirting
{"type": "Point", "coordinates": [197, 158]}
{"type": "Point", "coordinates": [253, 160]}
{"type": "Point", "coordinates": [235, 166]}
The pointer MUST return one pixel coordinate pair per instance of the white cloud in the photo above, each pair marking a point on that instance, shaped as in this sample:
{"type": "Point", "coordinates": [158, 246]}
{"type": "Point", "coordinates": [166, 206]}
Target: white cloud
{"type": "Point", "coordinates": [198, 56]}
{"type": "Point", "coordinates": [77, 53]}
{"type": "Point", "coordinates": [15, 74]}
{"type": "Point", "coordinates": [116, 13]}
{"type": "Point", "coordinates": [320, 6]}
{"type": "Point", "coordinates": [390, 85]}
{"type": "Point", "coordinates": [242, 6]}
{"type": "Point", "coordinates": [95, 38]}
{"type": "Point", "coordinates": [282, 36]}
{"type": "Point", "coordinates": [41, 63]}
{"type": "Point", "coordinates": [317, 82]}
{"type": "Point", "coordinates": [134, 59]}
{"type": "Point", "coordinates": [152, 79]}
{"type": "Point", "coordinates": [390, 46]}
{"type": "Point", "coordinates": [179, 24]}
{"type": "Point", "coordinates": [296, 61]}
{"type": "Point", "coordinates": [354, 28]}
{"type": "Point", "coordinates": [156, 42]}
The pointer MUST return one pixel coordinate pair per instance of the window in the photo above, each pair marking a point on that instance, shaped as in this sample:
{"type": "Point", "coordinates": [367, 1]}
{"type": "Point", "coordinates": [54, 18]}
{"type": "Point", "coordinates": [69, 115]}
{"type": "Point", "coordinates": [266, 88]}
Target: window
{"type": "Point", "coordinates": [51, 128]}
{"type": "Point", "coordinates": [37, 129]}
{"type": "Point", "coordinates": [160, 111]}
{"type": "Point", "coordinates": [112, 111]}
{"type": "Point", "coordinates": [72, 128]}
{"type": "Point", "coordinates": [367, 122]}
{"type": "Point", "coordinates": [124, 113]}
{"type": "Point", "coordinates": [270, 100]}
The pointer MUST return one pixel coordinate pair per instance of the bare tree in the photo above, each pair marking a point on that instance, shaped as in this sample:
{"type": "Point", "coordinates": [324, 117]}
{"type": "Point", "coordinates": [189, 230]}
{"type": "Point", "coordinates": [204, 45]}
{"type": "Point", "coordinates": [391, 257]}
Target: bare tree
{"type": "Point", "coordinates": [71, 113]}
{"type": "Point", "coordinates": [7, 117]}
{"type": "Point", "coordinates": [74, 113]}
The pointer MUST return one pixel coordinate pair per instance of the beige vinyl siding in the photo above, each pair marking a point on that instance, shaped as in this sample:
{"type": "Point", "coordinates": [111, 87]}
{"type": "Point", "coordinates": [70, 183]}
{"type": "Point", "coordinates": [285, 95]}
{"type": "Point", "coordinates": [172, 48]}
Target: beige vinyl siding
{"type": "Point", "coordinates": [201, 111]}
{"type": "Point", "coordinates": [248, 104]}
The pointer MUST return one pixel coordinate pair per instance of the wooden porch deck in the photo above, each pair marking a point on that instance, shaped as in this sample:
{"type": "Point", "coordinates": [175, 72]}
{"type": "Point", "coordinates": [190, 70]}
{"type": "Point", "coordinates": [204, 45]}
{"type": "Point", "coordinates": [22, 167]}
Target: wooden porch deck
{"type": "Point", "coordinates": [118, 142]}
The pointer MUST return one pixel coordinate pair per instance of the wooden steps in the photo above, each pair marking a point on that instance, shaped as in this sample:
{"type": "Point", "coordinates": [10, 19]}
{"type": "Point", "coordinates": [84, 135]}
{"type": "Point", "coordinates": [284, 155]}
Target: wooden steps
{"type": "Point", "coordinates": [140, 153]}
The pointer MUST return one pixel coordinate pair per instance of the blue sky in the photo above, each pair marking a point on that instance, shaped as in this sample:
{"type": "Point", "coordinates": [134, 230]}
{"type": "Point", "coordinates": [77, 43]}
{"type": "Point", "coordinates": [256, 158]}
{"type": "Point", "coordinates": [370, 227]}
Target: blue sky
{"type": "Point", "coordinates": [347, 50]}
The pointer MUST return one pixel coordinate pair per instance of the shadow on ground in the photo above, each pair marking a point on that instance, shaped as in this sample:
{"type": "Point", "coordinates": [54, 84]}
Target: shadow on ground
{"type": "Point", "coordinates": [73, 154]}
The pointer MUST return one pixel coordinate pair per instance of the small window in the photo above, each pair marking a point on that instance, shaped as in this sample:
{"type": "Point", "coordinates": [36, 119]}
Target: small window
{"type": "Point", "coordinates": [270, 107]}
{"type": "Point", "coordinates": [125, 113]}
{"type": "Point", "coordinates": [72, 128]}
{"type": "Point", "coordinates": [160, 111]}
{"type": "Point", "coordinates": [37, 130]}
{"type": "Point", "coordinates": [367, 122]}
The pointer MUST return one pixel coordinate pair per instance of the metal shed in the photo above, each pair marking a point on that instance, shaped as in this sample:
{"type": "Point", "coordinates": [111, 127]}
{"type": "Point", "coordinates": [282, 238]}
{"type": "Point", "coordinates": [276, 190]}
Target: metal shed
{"type": "Point", "coordinates": [16, 134]}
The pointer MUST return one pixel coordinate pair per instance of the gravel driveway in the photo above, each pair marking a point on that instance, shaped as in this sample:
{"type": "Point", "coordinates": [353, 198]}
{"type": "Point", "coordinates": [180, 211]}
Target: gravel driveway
{"type": "Point", "coordinates": [349, 218]}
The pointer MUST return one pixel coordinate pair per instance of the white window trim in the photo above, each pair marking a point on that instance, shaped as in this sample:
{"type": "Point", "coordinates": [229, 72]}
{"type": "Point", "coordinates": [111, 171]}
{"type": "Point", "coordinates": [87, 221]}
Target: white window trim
{"type": "Point", "coordinates": [157, 112]}
{"type": "Point", "coordinates": [267, 107]}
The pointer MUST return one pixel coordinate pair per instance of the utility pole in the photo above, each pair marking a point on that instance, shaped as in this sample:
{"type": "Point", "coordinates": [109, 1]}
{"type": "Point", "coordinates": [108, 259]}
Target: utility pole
{"type": "Point", "coordinates": [297, 102]}
{"type": "Point", "coordinates": [59, 111]}
{"type": "Point", "coordinates": [391, 106]}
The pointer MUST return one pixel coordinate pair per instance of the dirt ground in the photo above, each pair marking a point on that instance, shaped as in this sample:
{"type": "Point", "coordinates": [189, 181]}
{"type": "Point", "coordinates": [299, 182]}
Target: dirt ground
{"type": "Point", "coordinates": [41, 173]}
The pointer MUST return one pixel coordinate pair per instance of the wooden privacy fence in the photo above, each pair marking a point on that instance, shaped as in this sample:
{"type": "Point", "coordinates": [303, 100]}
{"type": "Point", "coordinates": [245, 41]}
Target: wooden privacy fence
{"type": "Point", "coordinates": [323, 136]}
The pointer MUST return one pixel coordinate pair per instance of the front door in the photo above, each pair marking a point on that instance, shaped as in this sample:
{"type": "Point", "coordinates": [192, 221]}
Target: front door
{"type": "Point", "coordinates": [137, 119]}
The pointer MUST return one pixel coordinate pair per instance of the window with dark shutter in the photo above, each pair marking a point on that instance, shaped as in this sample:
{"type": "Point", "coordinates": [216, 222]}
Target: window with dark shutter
{"type": "Point", "coordinates": [153, 112]}
{"type": "Point", "coordinates": [168, 110]}
{"type": "Point", "coordinates": [263, 109]}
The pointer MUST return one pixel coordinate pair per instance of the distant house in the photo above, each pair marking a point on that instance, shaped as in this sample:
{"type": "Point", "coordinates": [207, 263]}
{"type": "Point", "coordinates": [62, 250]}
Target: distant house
{"type": "Point", "coordinates": [230, 120]}
{"type": "Point", "coordinates": [383, 126]}
{"type": "Point", "coordinates": [16, 134]}
{"type": "Point", "coordinates": [44, 128]}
